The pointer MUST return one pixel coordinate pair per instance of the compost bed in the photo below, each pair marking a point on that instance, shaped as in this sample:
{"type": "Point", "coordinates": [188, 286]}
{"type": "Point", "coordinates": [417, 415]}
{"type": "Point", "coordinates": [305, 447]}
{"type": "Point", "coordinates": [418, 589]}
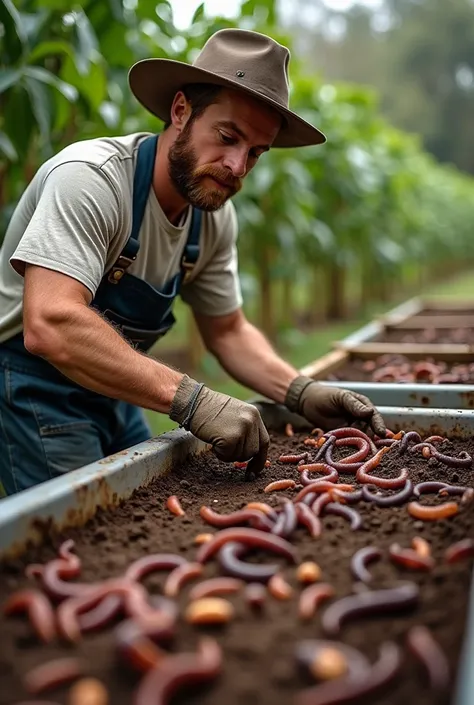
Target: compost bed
{"type": "Point", "coordinates": [402, 369]}
{"type": "Point", "coordinates": [259, 665]}
{"type": "Point", "coordinates": [463, 336]}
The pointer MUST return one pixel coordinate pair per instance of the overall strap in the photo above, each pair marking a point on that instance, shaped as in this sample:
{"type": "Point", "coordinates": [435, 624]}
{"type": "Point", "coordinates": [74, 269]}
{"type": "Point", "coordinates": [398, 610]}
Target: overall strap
{"type": "Point", "coordinates": [142, 181]}
{"type": "Point", "coordinates": [191, 249]}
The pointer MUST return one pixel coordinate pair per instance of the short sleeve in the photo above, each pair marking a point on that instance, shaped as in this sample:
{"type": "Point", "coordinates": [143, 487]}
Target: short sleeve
{"type": "Point", "coordinates": [76, 216]}
{"type": "Point", "coordinates": [216, 289]}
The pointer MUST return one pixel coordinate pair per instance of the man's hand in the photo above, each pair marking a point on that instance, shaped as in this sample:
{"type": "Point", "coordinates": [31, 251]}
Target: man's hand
{"type": "Point", "coordinates": [234, 428]}
{"type": "Point", "coordinates": [331, 407]}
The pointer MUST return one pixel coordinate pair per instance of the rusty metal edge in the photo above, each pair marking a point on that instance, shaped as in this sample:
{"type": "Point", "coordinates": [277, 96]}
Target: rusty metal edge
{"type": "Point", "coordinates": [72, 499]}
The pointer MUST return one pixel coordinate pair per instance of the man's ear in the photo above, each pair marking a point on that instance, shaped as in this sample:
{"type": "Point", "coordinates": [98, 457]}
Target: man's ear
{"type": "Point", "coordinates": [180, 111]}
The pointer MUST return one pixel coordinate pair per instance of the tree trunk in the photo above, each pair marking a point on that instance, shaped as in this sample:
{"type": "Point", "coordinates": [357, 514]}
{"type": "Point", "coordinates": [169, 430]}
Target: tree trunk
{"type": "Point", "coordinates": [287, 304]}
{"type": "Point", "coordinates": [267, 314]}
{"type": "Point", "coordinates": [335, 302]}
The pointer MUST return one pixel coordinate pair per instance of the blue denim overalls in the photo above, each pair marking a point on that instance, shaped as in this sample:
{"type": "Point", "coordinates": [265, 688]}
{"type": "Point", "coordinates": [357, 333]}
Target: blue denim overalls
{"type": "Point", "coordinates": [49, 424]}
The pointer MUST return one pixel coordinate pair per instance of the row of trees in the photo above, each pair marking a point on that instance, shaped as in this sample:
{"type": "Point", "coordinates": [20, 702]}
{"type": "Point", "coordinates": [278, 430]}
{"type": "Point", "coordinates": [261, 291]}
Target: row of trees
{"type": "Point", "coordinates": [324, 230]}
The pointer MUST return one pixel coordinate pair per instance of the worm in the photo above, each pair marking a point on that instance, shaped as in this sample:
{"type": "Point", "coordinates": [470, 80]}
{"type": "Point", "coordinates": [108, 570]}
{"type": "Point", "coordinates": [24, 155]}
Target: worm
{"type": "Point", "coordinates": [468, 496]}
{"type": "Point", "coordinates": [312, 442]}
{"type": "Point", "coordinates": [435, 439]}
{"type": "Point", "coordinates": [324, 443]}
{"type": "Point", "coordinates": [350, 463]}
{"type": "Point", "coordinates": [421, 446]}
{"type": "Point", "coordinates": [392, 500]}
{"type": "Point", "coordinates": [102, 614]}
{"type": "Point", "coordinates": [308, 572]}
{"type": "Point", "coordinates": [346, 497]}
{"type": "Point", "coordinates": [159, 685]}
{"type": "Point", "coordinates": [407, 438]}
{"type": "Point", "coordinates": [423, 646]}
{"type": "Point", "coordinates": [55, 586]}
{"type": "Point", "coordinates": [331, 473]}
{"type": "Point", "coordinates": [346, 512]}
{"type": "Point", "coordinates": [202, 538]}
{"type": "Point", "coordinates": [409, 558]}
{"type": "Point", "coordinates": [321, 502]}
{"type": "Point", "coordinates": [459, 551]}
{"type": "Point", "coordinates": [363, 475]}
{"type": "Point", "coordinates": [428, 488]}
{"type": "Point", "coordinates": [421, 546]}
{"type": "Point", "coordinates": [308, 650]}
{"type": "Point", "coordinates": [294, 459]}
{"type": "Point", "coordinates": [251, 537]}
{"type": "Point", "coordinates": [174, 505]}
{"type": "Point", "coordinates": [243, 465]}
{"type": "Point", "coordinates": [370, 602]}
{"type": "Point", "coordinates": [349, 432]}
{"type": "Point", "coordinates": [215, 586]}
{"type": "Point", "coordinates": [350, 690]}
{"type": "Point", "coordinates": [441, 511]}
{"type": "Point", "coordinates": [321, 486]}
{"type": "Point", "coordinates": [179, 576]}
{"type": "Point", "coordinates": [280, 485]}
{"type": "Point", "coordinates": [262, 507]}
{"type": "Point", "coordinates": [426, 370]}
{"type": "Point", "coordinates": [452, 490]}
{"type": "Point", "coordinates": [148, 564]}
{"type": "Point", "coordinates": [308, 519]}
{"type": "Point", "coordinates": [290, 518]}
{"type": "Point", "coordinates": [464, 460]}
{"type": "Point", "coordinates": [156, 615]}
{"type": "Point", "coordinates": [34, 570]}
{"type": "Point", "coordinates": [239, 517]}
{"type": "Point", "coordinates": [39, 610]}
{"type": "Point", "coordinates": [360, 559]}
{"type": "Point", "coordinates": [255, 595]}
{"type": "Point", "coordinates": [289, 430]}
{"type": "Point", "coordinates": [384, 442]}
{"type": "Point", "coordinates": [209, 610]}
{"type": "Point", "coordinates": [88, 691]}
{"type": "Point", "coordinates": [52, 674]}
{"type": "Point", "coordinates": [229, 559]}
{"type": "Point", "coordinates": [311, 597]}
{"type": "Point", "coordinates": [279, 588]}
{"type": "Point", "coordinates": [279, 526]}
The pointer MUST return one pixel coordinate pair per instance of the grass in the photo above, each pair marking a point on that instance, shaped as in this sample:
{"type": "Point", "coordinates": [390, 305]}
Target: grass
{"type": "Point", "coordinates": [305, 347]}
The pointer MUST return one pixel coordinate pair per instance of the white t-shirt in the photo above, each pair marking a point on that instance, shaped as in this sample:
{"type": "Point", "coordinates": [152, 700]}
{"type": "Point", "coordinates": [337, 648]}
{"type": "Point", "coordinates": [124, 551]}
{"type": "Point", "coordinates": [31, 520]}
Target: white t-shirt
{"type": "Point", "coordinates": [76, 216]}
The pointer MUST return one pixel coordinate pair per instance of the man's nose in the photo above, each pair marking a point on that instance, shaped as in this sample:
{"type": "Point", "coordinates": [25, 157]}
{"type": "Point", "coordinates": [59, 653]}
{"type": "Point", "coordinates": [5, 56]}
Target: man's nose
{"type": "Point", "coordinates": [236, 162]}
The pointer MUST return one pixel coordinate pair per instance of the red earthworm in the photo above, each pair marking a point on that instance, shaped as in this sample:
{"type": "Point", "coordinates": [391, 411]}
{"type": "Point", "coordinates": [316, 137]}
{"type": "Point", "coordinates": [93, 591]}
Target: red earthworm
{"type": "Point", "coordinates": [409, 558]}
{"type": "Point", "coordinates": [391, 500]}
{"type": "Point", "coordinates": [52, 674]}
{"type": "Point", "coordinates": [421, 446]}
{"type": "Point", "coordinates": [372, 463]}
{"type": "Point", "coordinates": [410, 436]}
{"type": "Point", "coordinates": [148, 564]}
{"type": "Point", "coordinates": [293, 458]}
{"type": "Point", "coordinates": [156, 614]}
{"type": "Point", "coordinates": [349, 690]}
{"type": "Point", "coordinates": [255, 594]}
{"type": "Point", "coordinates": [306, 653]}
{"type": "Point", "coordinates": [338, 465]}
{"type": "Point", "coordinates": [243, 465]}
{"type": "Point", "coordinates": [159, 685]}
{"type": "Point", "coordinates": [311, 597]}
{"type": "Point", "coordinates": [308, 519]}
{"type": "Point", "coordinates": [360, 559]}
{"type": "Point", "coordinates": [289, 430]}
{"type": "Point", "coordinates": [136, 647]}
{"type": "Point", "coordinates": [435, 439]}
{"type": "Point", "coordinates": [179, 576]}
{"type": "Point", "coordinates": [39, 609]}
{"type": "Point", "coordinates": [318, 432]}
{"type": "Point", "coordinates": [56, 587]}
{"type": "Point", "coordinates": [385, 442]}
{"type": "Point", "coordinates": [425, 370]}
{"type": "Point", "coordinates": [422, 644]}
{"type": "Point", "coordinates": [468, 496]}
{"type": "Point", "coordinates": [384, 482]}
{"type": "Point", "coordinates": [324, 443]}
{"type": "Point", "coordinates": [452, 490]}
{"type": "Point", "coordinates": [174, 505]}
{"type": "Point", "coordinates": [280, 485]}
{"type": "Point", "coordinates": [291, 518]}
{"type": "Point", "coordinates": [215, 586]}
{"type": "Point", "coordinates": [321, 486]}
{"type": "Point", "coordinates": [428, 488]}
{"type": "Point", "coordinates": [37, 702]}
{"type": "Point", "coordinates": [313, 442]}
{"type": "Point", "coordinates": [346, 497]}
{"type": "Point", "coordinates": [331, 474]}
{"type": "Point", "coordinates": [308, 499]}
{"type": "Point", "coordinates": [279, 526]}
{"type": "Point", "coordinates": [229, 559]}
{"type": "Point", "coordinates": [371, 602]}
{"type": "Point", "coordinates": [346, 512]}
{"type": "Point", "coordinates": [421, 546]}
{"type": "Point", "coordinates": [262, 507]}
{"type": "Point", "coordinates": [320, 503]}
{"type": "Point", "coordinates": [64, 552]}
{"type": "Point", "coordinates": [360, 443]}
{"type": "Point", "coordinates": [441, 511]}
{"type": "Point", "coordinates": [349, 432]}
{"type": "Point", "coordinates": [460, 462]}
{"type": "Point", "coordinates": [34, 570]}
{"type": "Point", "coordinates": [101, 614]}
{"type": "Point", "coordinates": [279, 588]}
{"type": "Point", "coordinates": [241, 516]}
{"type": "Point", "coordinates": [459, 550]}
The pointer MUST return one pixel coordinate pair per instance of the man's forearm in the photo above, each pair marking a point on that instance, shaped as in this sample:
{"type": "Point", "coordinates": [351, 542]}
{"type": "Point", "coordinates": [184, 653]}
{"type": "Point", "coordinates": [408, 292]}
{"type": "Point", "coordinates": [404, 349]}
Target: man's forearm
{"type": "Point", "coordinates": [85, 348]}
{"type": "Point", "coordinates": [249, 358]}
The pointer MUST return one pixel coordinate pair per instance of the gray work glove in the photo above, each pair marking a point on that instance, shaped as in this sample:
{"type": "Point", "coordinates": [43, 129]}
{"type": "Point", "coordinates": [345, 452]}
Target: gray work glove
{"type": "Point", "coordinates": [331, 407]}
{"type": "Point", "coordinates": [234, 428]}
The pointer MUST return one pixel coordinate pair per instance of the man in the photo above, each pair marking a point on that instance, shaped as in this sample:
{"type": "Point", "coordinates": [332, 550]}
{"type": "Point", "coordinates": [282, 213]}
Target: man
{"type": "Point", "coordinates": [107, 234]}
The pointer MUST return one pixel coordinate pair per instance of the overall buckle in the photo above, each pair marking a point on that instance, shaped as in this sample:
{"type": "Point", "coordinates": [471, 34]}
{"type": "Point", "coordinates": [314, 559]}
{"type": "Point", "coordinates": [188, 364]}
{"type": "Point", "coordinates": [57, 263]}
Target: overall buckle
{"type": "Point", "coordinates": [188, 269]}
{"type": "Point", "coordinates": [119, 268]}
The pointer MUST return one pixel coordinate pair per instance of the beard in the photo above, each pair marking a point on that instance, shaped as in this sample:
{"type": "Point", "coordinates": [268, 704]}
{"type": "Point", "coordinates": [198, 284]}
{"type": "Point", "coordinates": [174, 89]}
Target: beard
{"type": "Point", "coordinates": [190, 180]}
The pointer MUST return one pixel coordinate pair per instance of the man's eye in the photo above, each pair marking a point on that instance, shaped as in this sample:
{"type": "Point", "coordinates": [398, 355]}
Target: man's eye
{"type": "Point", "coordinates": [227, 139]}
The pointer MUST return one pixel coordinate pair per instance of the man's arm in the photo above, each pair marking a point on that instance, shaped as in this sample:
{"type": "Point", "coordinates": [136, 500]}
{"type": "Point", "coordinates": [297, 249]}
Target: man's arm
{"type": "Point", "coordinates": [245, 353]}
{"type": "Point", "coordinates": [60, 326]}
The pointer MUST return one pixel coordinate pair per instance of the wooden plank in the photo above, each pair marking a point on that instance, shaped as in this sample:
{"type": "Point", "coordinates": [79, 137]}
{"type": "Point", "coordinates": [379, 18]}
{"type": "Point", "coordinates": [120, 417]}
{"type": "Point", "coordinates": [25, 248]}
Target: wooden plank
{"type": "Point", "coordinates": [446, 304]}
{"type": "Point", "coordinates": [328, 363]}
{"type": "Point", "coordinates": [406, 310]}
{"type": "Point", "coordinates": [454, 320]}
{"type": "Point", "coordinates": [415, 351]}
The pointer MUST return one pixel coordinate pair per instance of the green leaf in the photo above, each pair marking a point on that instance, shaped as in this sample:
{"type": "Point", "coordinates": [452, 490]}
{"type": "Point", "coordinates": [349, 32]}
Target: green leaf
{"type": "Point", "coordinates": [87, 47]}
{"type": "Point", "coordinates": [8, 78]}
{"type": "Point", "coordinates": [18, 120]}
{"type": "Point", "coordinates": [51, 48]}
{"type": "Point", "coordinates": [14, 38]}
{"type": "Point", "coordinates": [7, 147]}
{"type": "Point", "coordinates": [41, 107]}
{"type": "Point", "coordinates": [64, 5]}
{"type": "Point", "coordinates": [199, 14]}
{"type": "Point", "coordinates": [44, 76]}
{"type": "Point", "coordinates": [117, 10]}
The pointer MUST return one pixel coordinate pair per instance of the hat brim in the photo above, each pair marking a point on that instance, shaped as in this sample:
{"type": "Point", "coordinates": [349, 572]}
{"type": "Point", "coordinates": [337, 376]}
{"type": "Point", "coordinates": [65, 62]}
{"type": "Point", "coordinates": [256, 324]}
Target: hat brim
{"type": "Point", "coordinates": [155, 82]}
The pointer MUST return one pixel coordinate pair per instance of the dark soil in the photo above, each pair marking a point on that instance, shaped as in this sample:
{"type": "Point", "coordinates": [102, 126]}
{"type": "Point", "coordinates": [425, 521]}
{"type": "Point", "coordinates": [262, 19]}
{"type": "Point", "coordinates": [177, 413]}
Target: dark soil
{"type": "Point", "coordinates": [403, 370]}
{"type": "Point", "coordinates": [259, 663]}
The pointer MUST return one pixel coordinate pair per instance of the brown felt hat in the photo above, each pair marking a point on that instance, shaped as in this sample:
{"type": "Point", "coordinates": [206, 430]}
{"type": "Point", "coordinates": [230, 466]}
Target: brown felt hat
{"type": "Point", "coordinates": [236, 58]}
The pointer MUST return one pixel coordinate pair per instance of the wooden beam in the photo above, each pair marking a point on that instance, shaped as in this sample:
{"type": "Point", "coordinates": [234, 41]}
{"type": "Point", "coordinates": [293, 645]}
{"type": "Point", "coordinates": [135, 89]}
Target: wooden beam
{"type": "Point", "coordinates": [415, 351]}
{"type": "Point", "coordinates": [455, 320]}
{"type": "Point", "coordinates": [326, 364]}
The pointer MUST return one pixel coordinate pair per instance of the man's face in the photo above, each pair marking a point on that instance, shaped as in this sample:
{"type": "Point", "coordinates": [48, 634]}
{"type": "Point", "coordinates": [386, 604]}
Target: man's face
{"type": "Point", "coordinates": [214, 153]}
